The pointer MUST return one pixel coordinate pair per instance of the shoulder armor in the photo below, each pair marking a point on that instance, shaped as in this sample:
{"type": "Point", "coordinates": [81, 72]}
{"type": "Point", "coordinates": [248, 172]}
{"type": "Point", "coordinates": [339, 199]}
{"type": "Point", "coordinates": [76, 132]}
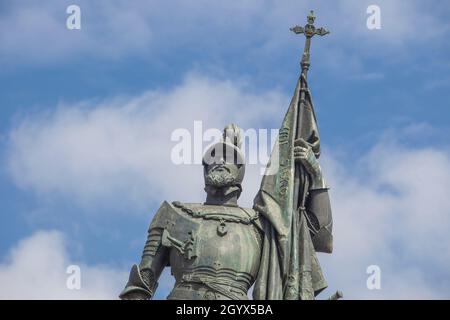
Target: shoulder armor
{"type": "Point", "coordinates": [164, 217]}
{"type": "Point", "coordinates": [162, 220]}
{"type": "Point", "coordinates": [179, 230]}
{"type": "Point", "coordinates": [172, 218]}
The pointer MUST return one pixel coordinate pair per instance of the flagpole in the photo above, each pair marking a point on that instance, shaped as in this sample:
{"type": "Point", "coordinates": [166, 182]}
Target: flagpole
{"type": "Point", "coordinates": [309, 30]}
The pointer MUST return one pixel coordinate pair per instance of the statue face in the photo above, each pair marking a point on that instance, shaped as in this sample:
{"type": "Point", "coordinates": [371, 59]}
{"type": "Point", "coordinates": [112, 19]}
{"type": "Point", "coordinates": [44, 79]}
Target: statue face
{"type": "Point", "coordinates": [221, 174]}
{"type": "Point", "coordinates": [222, 167]}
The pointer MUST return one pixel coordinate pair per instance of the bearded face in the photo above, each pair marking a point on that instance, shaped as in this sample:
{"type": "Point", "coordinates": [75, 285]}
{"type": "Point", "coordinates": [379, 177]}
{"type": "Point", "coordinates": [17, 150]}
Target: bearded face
{"type": "Point", "coordinates": [221, 175]}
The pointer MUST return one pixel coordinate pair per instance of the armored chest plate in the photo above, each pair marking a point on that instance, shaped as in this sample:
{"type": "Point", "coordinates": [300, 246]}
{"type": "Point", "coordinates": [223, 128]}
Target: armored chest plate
{"type": "Point", "coordinates": [213, 241]}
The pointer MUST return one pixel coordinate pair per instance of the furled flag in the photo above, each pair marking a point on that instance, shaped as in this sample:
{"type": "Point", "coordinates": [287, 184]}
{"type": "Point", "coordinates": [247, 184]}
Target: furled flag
{"type": "Point", "coordinates": [289, 267]}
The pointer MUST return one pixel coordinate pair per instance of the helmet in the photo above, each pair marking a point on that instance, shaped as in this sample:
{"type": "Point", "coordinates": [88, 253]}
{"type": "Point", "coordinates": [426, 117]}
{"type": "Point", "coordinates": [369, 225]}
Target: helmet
{"type": "Point", "coordinates": [228, 151]}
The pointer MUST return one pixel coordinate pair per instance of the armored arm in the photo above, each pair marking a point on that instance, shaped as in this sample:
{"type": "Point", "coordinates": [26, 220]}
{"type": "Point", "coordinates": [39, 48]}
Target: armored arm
{"type": "Point", "coordinates": [320, 220]}
{"type": "Point", "coordinates": [142, 282]}
{"type": "Point", "coordinates": [318, 208]}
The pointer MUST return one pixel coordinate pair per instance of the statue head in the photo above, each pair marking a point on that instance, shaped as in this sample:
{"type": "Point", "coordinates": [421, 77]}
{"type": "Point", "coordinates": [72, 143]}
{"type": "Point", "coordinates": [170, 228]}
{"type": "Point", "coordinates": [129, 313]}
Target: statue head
{"type": "Point", "coordinates": [223, 163]}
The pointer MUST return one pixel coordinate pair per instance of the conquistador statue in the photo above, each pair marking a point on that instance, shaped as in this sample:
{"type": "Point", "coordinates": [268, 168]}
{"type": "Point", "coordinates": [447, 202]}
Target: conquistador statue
{"type": "Point", "coordinates": [215, 248]}
{"type": "Point", "coordinates": [218, 250]}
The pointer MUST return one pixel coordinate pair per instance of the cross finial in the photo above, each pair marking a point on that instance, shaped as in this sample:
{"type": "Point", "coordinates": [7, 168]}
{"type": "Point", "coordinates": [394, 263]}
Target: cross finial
{"type": "Point", "coordinates": [309, 30]}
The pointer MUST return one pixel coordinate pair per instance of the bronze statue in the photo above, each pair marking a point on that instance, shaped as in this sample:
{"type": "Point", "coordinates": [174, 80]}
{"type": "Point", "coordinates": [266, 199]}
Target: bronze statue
{"type": "Point", "coordinates": [218, 250]}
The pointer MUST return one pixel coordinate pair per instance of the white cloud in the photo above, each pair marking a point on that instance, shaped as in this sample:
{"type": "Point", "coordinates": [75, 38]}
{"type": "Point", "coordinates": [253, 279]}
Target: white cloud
{"type": "Point", "coordinates": [390, 206]}
{"type": "Point", "coordinates": [114, 29]}
{"type": "Point", "coordinates": [391, 209]}
{"type": "Point", "coordinates": [37, 33]}
{"type": "Point", "coordinates": [97, 153]}
{"type": "Point", "coordinates": [36, 269]}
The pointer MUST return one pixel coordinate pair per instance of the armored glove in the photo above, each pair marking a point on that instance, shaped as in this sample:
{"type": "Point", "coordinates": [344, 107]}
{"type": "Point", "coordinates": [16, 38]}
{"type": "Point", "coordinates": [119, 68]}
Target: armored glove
{"type": "Point", "coordinates": [141, 285]}
{"type": "Point", "coordinates": [304, 153]}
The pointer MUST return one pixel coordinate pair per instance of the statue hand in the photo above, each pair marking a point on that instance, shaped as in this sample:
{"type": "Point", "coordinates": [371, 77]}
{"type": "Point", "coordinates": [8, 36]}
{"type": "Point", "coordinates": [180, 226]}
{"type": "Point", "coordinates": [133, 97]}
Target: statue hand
{"type": "Point", "coordinates": [304, 153]}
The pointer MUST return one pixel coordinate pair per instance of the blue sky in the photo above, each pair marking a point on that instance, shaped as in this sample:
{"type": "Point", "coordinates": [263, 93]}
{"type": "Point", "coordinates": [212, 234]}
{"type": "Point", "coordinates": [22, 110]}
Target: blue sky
{"type": "Point", "coordinates": [86, 117]}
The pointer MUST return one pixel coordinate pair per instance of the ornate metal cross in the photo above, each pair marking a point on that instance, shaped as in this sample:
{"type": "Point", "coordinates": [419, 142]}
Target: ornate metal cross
{"type": "Point", "coordinates": [309, 30]}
